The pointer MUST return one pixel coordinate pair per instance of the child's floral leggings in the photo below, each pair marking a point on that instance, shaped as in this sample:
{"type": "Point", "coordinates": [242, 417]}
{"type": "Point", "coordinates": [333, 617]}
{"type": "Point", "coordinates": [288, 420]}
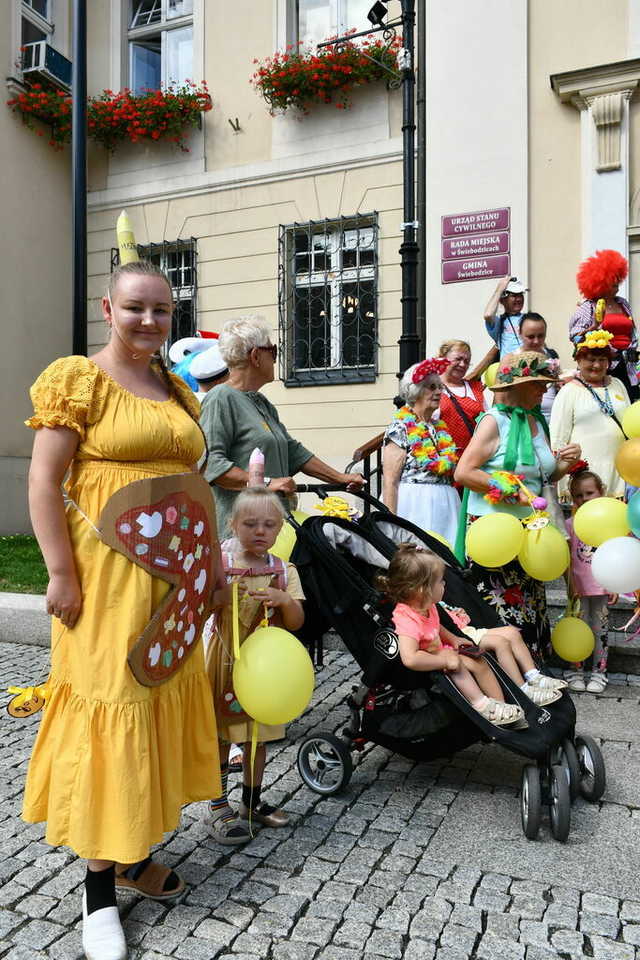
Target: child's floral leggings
{"type": "Point", "coordinates": [595, 612]}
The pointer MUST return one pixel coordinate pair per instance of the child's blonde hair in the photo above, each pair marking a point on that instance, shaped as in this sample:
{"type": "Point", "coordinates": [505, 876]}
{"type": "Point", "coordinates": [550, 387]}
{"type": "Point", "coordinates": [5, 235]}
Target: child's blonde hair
{"type": "Point", "coordinates": [259, 499]}
{"type": "Point", "coordinates": [411, 569]}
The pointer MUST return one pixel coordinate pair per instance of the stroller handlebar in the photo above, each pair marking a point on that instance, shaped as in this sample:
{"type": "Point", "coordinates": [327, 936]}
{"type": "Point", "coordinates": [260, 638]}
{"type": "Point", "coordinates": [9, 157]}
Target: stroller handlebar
{"type": "Point", "coordinates": [324, 489]}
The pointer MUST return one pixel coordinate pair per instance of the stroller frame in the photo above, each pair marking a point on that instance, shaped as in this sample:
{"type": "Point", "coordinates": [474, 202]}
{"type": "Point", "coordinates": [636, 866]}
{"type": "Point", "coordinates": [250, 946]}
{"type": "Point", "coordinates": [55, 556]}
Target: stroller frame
{"type": "Point", "coordinates": [565, 764]}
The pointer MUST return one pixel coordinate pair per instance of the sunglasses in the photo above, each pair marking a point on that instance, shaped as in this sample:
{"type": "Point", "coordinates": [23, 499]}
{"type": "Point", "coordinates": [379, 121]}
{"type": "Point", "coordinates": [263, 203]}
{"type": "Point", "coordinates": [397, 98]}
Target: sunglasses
{"type": "Point", "coordinates": [273, 350]}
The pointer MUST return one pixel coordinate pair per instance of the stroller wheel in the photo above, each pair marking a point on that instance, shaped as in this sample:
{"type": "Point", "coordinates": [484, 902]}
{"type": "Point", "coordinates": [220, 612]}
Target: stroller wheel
{"type": "Point", "coordinates": [531, 801]}
{"type": "Point", "coordinates": [559, 802]}
{"type": "Point", "coordinates": [324, 763]}
{"type": "Point", "coordinates": [592, 773]}
{"type": "Point", "coordinates": [565, 755]}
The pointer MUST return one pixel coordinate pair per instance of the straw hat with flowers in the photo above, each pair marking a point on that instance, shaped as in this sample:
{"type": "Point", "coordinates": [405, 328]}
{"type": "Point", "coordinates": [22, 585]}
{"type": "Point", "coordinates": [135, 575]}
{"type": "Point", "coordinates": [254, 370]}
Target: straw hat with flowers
{"type": "Point", "coordinates": [525, 367]}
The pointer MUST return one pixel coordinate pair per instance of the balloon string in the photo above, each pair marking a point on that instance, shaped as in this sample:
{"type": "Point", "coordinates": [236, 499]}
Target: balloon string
{"type": "Point", "coordinates": [265, 616]}
{"type": "Point", "coordinates": [252, 761]}
{"type": "Point", "coordinates": [235, 620]}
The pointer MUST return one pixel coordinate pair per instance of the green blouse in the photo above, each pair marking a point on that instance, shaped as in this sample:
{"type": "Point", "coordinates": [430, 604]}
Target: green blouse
{"type": "Point", "coordinates": [235, 422]}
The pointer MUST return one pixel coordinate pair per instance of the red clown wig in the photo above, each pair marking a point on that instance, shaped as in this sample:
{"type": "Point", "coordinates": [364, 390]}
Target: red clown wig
{"type": "Point", "coordinates": [596, 275]}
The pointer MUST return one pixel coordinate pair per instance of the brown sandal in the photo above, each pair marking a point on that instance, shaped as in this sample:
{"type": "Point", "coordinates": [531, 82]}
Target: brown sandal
{"type": "Point", "coordinates": [147, 878]}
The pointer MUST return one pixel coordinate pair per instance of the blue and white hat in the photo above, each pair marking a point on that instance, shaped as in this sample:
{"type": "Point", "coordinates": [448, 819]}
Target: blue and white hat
{"type": "Point", "coordinates": [208, 365]}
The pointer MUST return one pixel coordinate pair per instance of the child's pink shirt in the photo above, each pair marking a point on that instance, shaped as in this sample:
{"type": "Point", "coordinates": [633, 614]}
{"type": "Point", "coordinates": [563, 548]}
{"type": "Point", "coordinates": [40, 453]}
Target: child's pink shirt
{"type": "Point", "coordinates": [425, 628]}
{"type": "Point", "coordinates": [584, 583]}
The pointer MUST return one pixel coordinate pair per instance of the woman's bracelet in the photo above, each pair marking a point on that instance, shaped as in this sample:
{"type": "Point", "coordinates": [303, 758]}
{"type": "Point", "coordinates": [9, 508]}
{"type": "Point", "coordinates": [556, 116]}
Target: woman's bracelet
{"type": "Point", "coordinates": [504, 487]}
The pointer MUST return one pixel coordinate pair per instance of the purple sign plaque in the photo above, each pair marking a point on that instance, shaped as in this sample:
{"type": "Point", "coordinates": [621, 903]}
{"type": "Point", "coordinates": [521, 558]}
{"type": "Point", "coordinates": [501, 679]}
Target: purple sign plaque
{"type": "Point", "coordinates": [476, 245]}
{"type": "Point", "coordinates": [475, 268]}
{"type": "Point", "coordinates": [480, 221]}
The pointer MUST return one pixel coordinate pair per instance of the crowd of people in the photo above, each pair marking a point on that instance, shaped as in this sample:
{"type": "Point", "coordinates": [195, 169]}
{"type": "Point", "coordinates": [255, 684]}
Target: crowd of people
{"type": "Point", "coordinates": [115, 758]}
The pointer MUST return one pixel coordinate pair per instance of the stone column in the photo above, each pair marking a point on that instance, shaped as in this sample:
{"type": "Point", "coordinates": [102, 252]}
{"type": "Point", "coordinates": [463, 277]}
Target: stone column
{"type": "Point", "coordinates": [602, 95]}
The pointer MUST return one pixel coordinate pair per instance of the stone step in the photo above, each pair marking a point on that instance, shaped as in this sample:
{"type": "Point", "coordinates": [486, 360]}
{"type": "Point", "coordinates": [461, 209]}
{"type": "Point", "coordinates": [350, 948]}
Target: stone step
{"type": "Point", "coordinates": [24, 619]}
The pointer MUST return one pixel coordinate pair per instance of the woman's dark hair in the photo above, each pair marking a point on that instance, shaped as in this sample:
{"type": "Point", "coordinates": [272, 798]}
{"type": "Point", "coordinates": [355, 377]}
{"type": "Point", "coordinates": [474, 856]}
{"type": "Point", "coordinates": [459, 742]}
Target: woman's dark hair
{"type": "Point", "coordinates": [531, 315]}
{"type": "Point", "coordinates": [144, 268]}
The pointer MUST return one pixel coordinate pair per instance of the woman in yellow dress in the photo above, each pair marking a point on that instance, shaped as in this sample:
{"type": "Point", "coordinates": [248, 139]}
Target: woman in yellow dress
{"type": "Point", "coordinates": [114, 760]}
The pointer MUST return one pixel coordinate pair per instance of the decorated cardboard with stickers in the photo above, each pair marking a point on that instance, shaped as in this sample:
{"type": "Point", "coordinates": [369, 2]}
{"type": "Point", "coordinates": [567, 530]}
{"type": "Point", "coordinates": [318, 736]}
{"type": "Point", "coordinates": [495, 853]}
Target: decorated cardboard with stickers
{"type": "Point", "coordinates": [167, 526]}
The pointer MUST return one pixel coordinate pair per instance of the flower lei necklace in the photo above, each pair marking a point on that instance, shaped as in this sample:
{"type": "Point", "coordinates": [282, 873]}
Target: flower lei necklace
{"type": "Point", "coordinates": [432, 448]}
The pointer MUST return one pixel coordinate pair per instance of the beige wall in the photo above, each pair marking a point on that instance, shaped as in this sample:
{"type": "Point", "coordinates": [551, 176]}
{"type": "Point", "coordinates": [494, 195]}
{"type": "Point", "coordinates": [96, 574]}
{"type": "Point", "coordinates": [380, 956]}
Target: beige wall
{"type": "Point", "coordinates": [237, 233]}
{"type": "Point", "coordinates": [234, 189]}
{"type": "Point", "coordinates": [563, 36]}
{"type": "Point", "coordinates": [35, 254]}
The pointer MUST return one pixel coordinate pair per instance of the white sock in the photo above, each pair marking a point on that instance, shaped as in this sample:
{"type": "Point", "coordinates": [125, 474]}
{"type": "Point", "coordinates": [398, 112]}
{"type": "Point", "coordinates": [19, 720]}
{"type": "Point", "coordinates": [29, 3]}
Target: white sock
{"type": "Point", "coordinates": [532, 674]}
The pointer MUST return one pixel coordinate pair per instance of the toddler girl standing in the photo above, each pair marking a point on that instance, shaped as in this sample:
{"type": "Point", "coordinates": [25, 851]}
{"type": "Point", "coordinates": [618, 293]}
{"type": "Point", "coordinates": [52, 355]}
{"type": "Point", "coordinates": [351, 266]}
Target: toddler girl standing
{"type": "Point", "coordinates": [594, 599]}
{"type": "Point", "coordinates": [266, 585]}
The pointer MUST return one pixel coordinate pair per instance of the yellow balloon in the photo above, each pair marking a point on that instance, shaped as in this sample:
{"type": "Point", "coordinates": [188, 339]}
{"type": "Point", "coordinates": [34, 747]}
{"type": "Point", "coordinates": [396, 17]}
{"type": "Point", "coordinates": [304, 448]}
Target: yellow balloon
{"type": "Point", "coordinates": [494, 539]}
{"type": "Point", "coordinates": [601, 519]}
{"type": "Point", "coordinates": [273, 679]}
{"type": "Point", "coordinates": [286, 539]}
{"type": "Point", "coordinates": [572, 639]}
{"type": "Point", "coordinates": [490, 374]}
{"type": "Point", "coordinates": [631, 420]}
{"type": "Point", "coordinates": [544, 554]}
{"type": "Point", "coordinates": [628, 461]}
{"type": "Point", "coordinates": [438, 536]}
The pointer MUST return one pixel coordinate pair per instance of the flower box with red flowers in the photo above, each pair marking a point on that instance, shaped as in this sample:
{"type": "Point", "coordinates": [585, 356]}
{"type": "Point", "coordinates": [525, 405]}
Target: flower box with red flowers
{"type": "Point", "coordinates": [114, 118]}
{"type": "Point", "coordinates": [298, 78]}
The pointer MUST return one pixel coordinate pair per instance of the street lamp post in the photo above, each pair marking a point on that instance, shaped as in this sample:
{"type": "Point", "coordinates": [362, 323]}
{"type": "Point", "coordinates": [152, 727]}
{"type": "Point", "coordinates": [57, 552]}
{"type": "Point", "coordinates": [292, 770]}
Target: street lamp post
{"type": "Point", "coordinates": [409, 341]}
{"type": "Point", "coordinates": [79, 175]}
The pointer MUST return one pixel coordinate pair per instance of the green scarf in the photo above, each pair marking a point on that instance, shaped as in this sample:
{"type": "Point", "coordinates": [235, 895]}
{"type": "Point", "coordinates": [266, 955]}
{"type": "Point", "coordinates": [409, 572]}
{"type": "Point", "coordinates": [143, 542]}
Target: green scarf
{"type": "Point", "coordinates": [520, 442]}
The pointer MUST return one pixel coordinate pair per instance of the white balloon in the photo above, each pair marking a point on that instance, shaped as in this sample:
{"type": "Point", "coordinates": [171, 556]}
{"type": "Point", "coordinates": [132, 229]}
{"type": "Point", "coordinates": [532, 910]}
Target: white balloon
{"type": "Point", "coordinates": [616, 565]}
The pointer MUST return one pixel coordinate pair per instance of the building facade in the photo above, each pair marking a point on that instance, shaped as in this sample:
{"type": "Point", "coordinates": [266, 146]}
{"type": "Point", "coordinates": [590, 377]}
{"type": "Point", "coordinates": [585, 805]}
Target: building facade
{"type": "Point", "coordinates": [531, 108]}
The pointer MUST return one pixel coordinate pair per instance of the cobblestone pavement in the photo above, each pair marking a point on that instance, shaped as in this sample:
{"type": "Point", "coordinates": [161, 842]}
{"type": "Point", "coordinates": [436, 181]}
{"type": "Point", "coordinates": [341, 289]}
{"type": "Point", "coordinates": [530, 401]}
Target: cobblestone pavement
{"type": "Point", "coordinates": [412, 861]}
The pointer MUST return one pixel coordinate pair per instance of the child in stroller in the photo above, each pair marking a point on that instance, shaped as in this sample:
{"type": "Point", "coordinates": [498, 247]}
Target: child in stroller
{"type": "Point", "coordinates": [421, 714]}
{"type": "Point", "coordinates": [415, 583]}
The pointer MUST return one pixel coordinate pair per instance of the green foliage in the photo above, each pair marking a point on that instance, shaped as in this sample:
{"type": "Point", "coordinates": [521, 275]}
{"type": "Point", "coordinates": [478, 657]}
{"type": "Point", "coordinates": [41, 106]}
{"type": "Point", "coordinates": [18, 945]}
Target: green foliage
{"type": "Point", "coordinates": [22, 568]}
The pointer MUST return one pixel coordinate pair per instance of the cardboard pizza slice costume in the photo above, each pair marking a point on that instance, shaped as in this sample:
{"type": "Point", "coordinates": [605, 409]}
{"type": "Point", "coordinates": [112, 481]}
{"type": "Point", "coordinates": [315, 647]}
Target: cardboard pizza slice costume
{"type": "Point", "coordinates": [167, 526]}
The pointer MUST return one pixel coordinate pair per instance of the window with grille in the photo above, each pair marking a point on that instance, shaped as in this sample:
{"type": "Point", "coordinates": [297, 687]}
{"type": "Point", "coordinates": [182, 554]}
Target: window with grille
{"type": "Point", "coordinates": [160, 43]}
{"type": "Point", "coordinates": [179, 262]}
{"type": "Point", "coordinates": [328, 301]}
{"type": "Point", "coordinates": [320, 19]}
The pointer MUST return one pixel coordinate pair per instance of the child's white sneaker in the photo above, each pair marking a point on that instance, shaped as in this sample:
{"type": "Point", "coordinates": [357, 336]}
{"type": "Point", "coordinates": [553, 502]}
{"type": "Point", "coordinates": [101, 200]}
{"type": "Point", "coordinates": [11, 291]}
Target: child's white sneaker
{"type": "Point", "coordinates": [597, 683]}
{"type": "Point", "coordinates": [577, 683]}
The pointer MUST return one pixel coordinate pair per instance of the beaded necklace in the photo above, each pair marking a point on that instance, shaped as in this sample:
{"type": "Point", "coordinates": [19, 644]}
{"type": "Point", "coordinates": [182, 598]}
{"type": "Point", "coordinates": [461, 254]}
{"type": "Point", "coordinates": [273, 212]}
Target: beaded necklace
{"type": "Point", "coordinates": [431, 444]}
{"type": "Point", "coordinates": [606, 405]}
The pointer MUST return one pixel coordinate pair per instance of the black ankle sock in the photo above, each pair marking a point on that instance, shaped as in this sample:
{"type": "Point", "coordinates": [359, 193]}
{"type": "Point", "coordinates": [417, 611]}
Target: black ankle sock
{"type": "Point", "coordinates": [251, 796]}
{"type": "Point", "coordinates": [101, 888]}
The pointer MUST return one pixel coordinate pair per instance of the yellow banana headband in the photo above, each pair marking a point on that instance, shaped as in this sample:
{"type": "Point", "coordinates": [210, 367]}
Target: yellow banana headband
{"type": "Point", "coordinates": [595, 340]}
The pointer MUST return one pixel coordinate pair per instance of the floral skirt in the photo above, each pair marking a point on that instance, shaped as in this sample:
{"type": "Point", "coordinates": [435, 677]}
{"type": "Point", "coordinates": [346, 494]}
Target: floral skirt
{"type": "Point", "coordinates": [519, 601]}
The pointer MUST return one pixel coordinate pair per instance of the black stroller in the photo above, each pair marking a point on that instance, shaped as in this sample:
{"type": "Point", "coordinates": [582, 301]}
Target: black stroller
{"type": "Point", "coordinates": [422, 716]}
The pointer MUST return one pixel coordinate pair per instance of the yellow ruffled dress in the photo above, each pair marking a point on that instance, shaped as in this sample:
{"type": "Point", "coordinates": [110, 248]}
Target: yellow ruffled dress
{"type": "Point", "coordinates": [114, 761]}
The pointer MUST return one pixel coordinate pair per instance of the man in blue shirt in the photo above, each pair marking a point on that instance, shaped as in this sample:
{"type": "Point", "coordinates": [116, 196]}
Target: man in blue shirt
{"type": "Point", "coordinates": [503, 328]}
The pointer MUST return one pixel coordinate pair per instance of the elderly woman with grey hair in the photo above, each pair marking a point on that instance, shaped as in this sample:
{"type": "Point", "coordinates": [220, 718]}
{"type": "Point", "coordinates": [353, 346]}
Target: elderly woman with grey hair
{"type": "Point", "coordinates": [236, 418]}
{"type": "Point", "coordinates": [420, 456]}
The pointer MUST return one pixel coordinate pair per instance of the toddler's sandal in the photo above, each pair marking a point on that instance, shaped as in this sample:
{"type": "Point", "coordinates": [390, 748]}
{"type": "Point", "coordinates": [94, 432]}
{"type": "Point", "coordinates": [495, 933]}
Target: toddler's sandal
{"type": "Point", "coordinates": [501, 714]}
{"type": "Point", "coordinates": [542, 696]}
{"type": "Point", "coordinates": [544, 682]}
{"type": "Point", "coordinates": [148, 879]}
{"type": "Point", "coordinates": [229, 832]}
